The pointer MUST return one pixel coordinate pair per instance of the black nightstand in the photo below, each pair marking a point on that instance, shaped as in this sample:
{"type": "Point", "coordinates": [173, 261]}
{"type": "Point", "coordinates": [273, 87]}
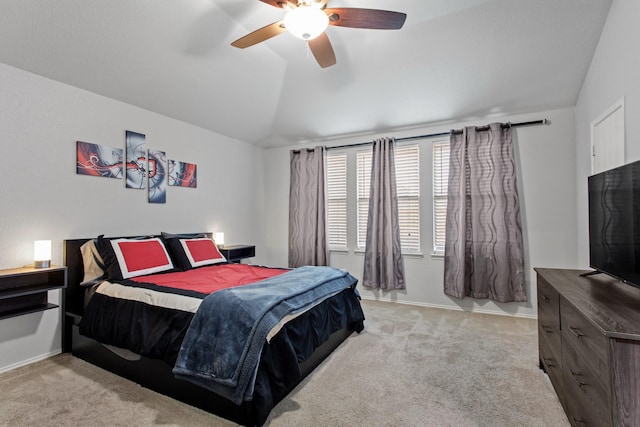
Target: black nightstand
{"type": "Point", "coordinates": [24, 290]}
{"type": "Point", "coordinates": [235, 253]}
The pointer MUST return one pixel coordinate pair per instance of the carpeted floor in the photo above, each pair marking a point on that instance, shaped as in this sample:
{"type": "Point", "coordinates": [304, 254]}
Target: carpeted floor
{"type": "Point", "coordinates": [411, 366]}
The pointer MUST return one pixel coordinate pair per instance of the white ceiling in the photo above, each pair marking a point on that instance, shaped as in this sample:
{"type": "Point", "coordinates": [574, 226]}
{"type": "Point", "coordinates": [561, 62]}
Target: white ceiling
{"type": "Point", "coordinates": [452, 60]}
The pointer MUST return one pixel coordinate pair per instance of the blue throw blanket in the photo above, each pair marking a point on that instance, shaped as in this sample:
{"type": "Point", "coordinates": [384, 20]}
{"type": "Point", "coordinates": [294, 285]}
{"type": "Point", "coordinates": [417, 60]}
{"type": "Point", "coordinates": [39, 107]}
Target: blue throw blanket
{"type": "Point", "coordinates": [222, 346]}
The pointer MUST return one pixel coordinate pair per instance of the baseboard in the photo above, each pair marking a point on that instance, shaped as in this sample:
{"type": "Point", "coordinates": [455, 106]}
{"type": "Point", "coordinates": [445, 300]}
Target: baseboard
{"type": "Point", "coordinates": [448, 307]}
{"type": "Point", "coordinates": [30, 360]}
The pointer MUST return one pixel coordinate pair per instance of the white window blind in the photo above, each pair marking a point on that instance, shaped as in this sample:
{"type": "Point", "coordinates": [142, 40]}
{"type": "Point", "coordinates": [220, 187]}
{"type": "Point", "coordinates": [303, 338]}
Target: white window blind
{"type": "Point", "coordinates": [440, 186]}
{"type": "Point", "coordinates": [408, 188]}
{"type": "Point", "coordinates": [337, 200]}
{"type": "Point", "coordinates": [364, 183]}
{"type": "Point", "coordinates": [408, 191]}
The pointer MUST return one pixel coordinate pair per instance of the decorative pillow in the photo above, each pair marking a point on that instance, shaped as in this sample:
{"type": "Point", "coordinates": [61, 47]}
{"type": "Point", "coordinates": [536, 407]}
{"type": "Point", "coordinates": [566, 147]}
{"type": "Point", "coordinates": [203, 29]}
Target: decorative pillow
{"type": "Point", "coordinates": [125, 258]}
{"type": "Point", "coordinates": [190, 253]}
{"type": "Point", "coordinates": [168, 237]}
{"type": "Point", "coordinates": [94, 270]}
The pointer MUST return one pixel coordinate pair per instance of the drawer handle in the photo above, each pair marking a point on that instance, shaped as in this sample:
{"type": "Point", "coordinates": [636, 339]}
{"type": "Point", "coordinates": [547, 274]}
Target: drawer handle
{"type": "Point", "coordinates": [577, 379]}
{"type": "Point", "coordinates": [547, 329]}
{"type": "Point", "coordinates": [578, 420]}
{"type": "Point", "coordinates": [548, 361]}
{"type": "Point", "coordinates": [545, 298]}
{"type": "Point", "coordinates": [576, 331]}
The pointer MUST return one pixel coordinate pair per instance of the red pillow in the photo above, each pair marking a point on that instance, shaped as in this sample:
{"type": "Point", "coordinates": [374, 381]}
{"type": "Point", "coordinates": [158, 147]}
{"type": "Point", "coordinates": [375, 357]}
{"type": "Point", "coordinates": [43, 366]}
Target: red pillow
{"type": "Point", "coordinates": [190, 252]}
{"type": "Point", "coordinates": [201, 252]}
{"type": "Point", "coordinates": [140, 257]}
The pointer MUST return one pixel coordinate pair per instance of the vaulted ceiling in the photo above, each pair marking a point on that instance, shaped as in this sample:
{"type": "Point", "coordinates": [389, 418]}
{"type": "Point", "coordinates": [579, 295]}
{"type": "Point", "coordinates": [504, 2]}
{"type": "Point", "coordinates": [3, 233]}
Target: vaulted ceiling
{"type": "Point", "coordinates": [452, 60]}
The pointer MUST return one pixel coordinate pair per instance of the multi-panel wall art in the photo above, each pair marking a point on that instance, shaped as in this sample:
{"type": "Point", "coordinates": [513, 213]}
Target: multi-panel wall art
{"type": "Point", "coordinates": [98, 160]}
{"type": "Point", "coordinates": [157, 176]}
{"type": "Point", "coordinates": [182, 174]}
{"type": "Point", "coordinates": [136, 160]}
{"type": "Point", "coordinates": [143, 169]}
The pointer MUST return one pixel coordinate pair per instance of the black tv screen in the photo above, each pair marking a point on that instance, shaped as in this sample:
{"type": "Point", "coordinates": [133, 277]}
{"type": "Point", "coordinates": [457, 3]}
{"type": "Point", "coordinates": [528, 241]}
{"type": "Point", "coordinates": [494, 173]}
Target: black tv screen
{"type": "Point", "coordinates": [614, 223]}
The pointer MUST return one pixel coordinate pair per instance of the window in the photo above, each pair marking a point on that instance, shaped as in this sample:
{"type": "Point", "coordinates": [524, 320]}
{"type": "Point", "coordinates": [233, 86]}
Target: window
{"type": "Point", "coordinates": [337, 200]}
{"type": "Point", "coordinates": [408, 191]}
{"type": "Point", "coordinates": [440, 184]}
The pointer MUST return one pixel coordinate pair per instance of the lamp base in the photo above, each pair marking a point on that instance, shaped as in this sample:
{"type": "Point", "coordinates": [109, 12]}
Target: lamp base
{"type": "Point", "coordinates": [42, 264]}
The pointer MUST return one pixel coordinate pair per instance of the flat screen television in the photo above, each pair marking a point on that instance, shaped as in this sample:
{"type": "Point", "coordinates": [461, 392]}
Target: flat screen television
{"type": "Point", "coordinates": [614, 223]}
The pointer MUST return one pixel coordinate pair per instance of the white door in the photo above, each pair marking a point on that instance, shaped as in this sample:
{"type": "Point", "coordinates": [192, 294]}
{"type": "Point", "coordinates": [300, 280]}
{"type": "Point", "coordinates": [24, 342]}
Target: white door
{"type": "Point", "coordinates": [607, 139]}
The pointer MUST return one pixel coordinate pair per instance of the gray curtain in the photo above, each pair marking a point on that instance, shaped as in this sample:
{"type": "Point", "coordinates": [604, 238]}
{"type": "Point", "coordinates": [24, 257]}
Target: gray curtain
{"type": "Point", "coordinates": [383, 268]}
{"type": "Point", "coordinates": [484, 256]}
{"type": "Point", "coordinates": [307, 217]}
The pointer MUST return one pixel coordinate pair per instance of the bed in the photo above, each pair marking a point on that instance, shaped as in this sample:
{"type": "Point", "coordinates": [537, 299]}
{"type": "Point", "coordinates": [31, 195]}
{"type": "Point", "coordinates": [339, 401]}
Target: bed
{"type": "Point", "coordinates": [173, 338]}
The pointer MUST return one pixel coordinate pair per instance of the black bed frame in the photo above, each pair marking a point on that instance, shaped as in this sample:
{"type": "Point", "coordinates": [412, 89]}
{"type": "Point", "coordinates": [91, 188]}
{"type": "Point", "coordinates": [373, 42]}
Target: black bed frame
{"type": "Point", "coordinates": [156, 374]}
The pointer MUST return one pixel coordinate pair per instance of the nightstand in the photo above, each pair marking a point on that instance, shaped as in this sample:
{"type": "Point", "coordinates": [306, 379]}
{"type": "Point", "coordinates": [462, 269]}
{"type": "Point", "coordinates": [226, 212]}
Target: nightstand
{"type": "Point", "coordinates": [24, 290]}
{"type": "Point", "coordinates": [236, 253]}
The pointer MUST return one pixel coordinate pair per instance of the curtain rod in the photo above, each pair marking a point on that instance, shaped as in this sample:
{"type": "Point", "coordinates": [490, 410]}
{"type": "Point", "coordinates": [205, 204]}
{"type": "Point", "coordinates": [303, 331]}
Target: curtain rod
{"type": "Point", "coordinates": [433, 135]}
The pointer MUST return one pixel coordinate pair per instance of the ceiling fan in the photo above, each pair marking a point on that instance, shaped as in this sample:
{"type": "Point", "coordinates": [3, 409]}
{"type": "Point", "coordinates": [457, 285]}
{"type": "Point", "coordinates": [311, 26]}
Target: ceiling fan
{"type": "Point", "coordinates": [308, 19]}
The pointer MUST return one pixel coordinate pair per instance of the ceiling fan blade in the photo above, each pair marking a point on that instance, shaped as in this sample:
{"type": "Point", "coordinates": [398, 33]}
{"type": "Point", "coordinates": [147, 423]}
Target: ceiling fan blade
{"type": "Point", "coordinates": [283, 4]}
{"type": "Point", "coordinates": [365, 18]}
{"type": "Point", "coordinates": [322, 50]}
{"type": "Point", "coordinates": [260, 35]}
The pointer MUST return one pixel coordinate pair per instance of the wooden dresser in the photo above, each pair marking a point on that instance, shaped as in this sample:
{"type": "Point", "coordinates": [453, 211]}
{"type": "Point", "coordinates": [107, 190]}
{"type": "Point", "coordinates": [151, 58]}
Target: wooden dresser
{"type": "Point", "coordinates": [589, 345]}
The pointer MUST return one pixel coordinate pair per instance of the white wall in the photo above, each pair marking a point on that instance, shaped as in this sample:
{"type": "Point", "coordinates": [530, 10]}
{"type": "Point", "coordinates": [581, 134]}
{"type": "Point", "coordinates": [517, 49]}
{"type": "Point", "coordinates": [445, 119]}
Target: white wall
{"type": "Point", "coordinates": [545, 156]}
{"type": "Point", "coordinates": [614, 73]}
{"type": "Point", "coordinates": [41, 197]}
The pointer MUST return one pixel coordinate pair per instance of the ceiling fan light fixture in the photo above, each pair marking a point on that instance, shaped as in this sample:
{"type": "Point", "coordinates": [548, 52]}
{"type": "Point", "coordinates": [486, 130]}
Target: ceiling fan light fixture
{"type": "Point", "coordinates": [306, 22]}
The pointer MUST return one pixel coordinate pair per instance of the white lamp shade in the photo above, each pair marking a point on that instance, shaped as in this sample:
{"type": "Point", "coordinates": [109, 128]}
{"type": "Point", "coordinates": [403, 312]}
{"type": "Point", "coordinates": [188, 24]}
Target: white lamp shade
{"type": "Point", "coordinates": [219, 238]}
{"type": "Point", "coordinates": [42, 253]}
{"type": "Point", "coordinates": [306, 22]}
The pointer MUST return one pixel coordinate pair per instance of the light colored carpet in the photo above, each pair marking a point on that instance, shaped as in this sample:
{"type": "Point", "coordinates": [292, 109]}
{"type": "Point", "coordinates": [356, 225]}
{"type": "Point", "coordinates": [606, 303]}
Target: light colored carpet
{"type": "Point", "coordinates": [411, 366]}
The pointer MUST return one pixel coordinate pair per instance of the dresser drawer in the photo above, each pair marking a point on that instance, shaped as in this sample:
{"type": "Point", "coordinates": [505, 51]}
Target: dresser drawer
{"type": "Point", "coordinates": [583, 382]}
{"type": "Point", "coordinates": [585, 368]}
{"type": "Point", "coordinates": [590, 346]}
{"type": "Point", "coordinates": [548, 299]}
{"type": "Point", "coordinates": [549, 316]}
{"type": "Point", "coordinates": [552, 366]}
{"type": "Point", "coordinates": [581, 409]}
{"type": "Point", "coordinates": [552, 341]}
